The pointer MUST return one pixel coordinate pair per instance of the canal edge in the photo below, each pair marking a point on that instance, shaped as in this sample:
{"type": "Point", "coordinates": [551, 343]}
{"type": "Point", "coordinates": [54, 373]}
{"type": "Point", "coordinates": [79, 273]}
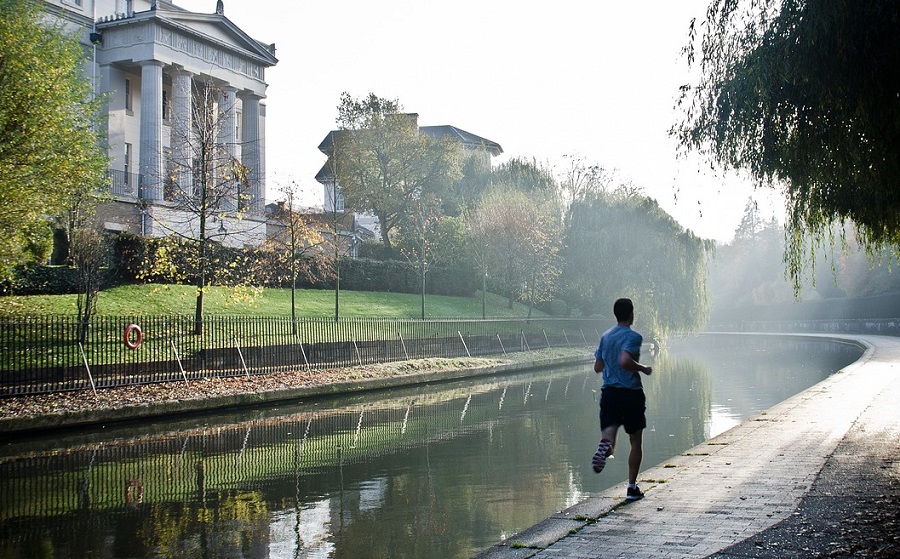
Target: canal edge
{"type": "Point", "coordinates": [31, 425]}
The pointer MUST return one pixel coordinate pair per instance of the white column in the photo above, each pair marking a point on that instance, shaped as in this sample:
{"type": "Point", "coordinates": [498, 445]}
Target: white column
{"type": "Point", "coordinates": [261, 142]}
{"type": "Point", "coordinates": [182, 131]}
{"type": "Point", "coordinates": [250, 152]}
{"type": "Point", "coordinates": [152, 174]}
{"type": "Point", "coordinates": [227, 106]}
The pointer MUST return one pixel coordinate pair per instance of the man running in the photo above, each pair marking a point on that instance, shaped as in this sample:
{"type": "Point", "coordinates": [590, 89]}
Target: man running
{"type": "Point", "coordinates": [622, 400]}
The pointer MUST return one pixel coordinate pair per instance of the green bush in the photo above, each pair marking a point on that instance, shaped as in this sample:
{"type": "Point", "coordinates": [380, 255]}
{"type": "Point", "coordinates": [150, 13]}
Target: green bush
{"type": "Point", "coordinates": [558, 307]}
{"type": "Point", "coordinates": [43, 280]}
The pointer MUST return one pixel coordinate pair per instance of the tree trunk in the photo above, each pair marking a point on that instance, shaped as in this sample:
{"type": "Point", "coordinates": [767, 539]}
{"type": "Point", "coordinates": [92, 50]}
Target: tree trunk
{"type": "Point", "coordinates": [483, 295]}
{"type": "Point", "coordinates": [385, 238]}
{"type": "Point", "coordinates": [293, 299]}
{"type": "Point", "coordinates": [337, 289]}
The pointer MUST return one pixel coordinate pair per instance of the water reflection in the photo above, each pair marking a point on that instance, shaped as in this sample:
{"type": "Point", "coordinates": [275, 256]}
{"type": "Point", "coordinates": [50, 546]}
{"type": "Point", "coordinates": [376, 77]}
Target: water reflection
{"type": "Point", "coordinates": [437, 471]}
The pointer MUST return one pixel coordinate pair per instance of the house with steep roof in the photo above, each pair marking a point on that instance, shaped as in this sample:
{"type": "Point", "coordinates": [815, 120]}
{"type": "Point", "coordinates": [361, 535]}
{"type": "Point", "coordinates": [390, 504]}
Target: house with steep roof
{"type": "Point", "coordinates": [150, 57]}
{"type": "Point", "coordinates": [473, 145]}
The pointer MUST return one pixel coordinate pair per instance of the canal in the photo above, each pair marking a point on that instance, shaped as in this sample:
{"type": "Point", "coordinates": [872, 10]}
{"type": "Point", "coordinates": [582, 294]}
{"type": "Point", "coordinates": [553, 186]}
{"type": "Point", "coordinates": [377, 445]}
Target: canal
{"type": "Point", "coordinates": [438, 471]}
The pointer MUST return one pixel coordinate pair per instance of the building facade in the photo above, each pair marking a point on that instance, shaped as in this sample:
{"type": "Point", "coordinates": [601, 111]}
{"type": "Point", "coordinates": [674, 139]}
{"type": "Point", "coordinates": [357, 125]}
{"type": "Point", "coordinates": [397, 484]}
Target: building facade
{"type": "Point", "coordinates": [156, 64]}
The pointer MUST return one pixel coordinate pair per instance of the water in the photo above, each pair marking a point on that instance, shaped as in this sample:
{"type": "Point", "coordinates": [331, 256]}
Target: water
{"type": "Point", "coordinates": [427, 472]}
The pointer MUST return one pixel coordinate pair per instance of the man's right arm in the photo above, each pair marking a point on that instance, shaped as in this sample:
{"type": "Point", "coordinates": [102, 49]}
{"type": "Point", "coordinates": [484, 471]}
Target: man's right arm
{"type": "Point", "coordinates": [627, 362]}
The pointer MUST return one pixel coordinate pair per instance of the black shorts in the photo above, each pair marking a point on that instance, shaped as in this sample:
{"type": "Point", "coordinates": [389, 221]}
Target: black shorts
{"type": "Point", "coordinates": [623, 406]}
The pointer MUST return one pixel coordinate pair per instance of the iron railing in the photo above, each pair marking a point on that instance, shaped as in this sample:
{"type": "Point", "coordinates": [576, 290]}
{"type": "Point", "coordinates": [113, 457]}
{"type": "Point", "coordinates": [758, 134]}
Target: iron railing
{"type": "Point", "coordinates": [124, 184]}
{"type": "Point", "coordinates": [43, 355]}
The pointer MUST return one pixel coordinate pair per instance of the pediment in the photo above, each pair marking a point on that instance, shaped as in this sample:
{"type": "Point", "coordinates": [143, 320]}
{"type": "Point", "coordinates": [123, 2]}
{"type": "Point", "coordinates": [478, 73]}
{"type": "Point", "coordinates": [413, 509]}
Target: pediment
{"type": "Point", "coordinates": [219, 29]}
{"type": "Point", "coordinates": [213, 29]}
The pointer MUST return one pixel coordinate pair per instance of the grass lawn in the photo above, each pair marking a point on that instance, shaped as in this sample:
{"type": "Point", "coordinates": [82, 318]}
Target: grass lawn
{"type": "Point", "coordinates": [156, 300]}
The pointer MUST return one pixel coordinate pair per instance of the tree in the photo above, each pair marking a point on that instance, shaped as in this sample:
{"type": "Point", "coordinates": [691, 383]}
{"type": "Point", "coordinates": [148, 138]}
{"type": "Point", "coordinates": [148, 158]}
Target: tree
{"type": "Point", "coordinates": [751, 222]}
{"type": "Point", "coordinates": [478, 242]}
{"type": "Point", "coordinates": [88, 250]}
{"type": "Point", "coordinates": [464, 193]}
{"type": "Point", "coordinates": [803, 95]}
{"type": "Point", "coordinates": [526, 176]}
{"type": "Point", "coordinates": [580, 179]}
{"type": "Point", "coordinates": [624, 245]}
{"type": "Point", "coordinates": [517, 235]}
{"type": "Point", "coordinates": [516, 229]}
{"type": "Point", "coordinates": [749, 270]}
{"type": "Point", "coordinates": [540, 259]}
{"type": "Point", "coordinates": [384, 165]}
{"type": "Point", "coordinates": [208, 188]}
{"type": "Point", "coordinates": [428, 239]}
{"type": "Point", "coordinates": [419, 235]}
{"type": "Point", "coordinates": [50, 144]}
{"type": "Point", "coordinates": [335, 237]}
{"type": "Point", "coordinates": [296, 242]}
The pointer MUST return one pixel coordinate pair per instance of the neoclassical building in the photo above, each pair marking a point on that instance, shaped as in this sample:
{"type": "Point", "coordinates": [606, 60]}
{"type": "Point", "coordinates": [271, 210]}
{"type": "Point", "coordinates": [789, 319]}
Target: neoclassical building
{"type": "Point", "coordinates": [155, 62]}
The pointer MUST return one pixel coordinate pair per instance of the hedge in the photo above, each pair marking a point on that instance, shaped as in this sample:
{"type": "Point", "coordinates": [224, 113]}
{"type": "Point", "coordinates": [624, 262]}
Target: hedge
{"type": "Point", "coordinates": [128, 262]}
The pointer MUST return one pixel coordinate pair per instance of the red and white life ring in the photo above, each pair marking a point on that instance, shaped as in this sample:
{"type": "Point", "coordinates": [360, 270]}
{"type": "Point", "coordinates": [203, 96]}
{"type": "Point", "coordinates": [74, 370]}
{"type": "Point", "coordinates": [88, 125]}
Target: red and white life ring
{"type": "Point", "coordinates": [134, 492]}
{"type": "Point", "coordinates": [135, 341]}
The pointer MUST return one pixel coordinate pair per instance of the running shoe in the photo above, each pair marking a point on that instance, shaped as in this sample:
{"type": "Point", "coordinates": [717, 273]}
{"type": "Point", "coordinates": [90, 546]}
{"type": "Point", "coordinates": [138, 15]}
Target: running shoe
{"type": "Point", "coordinates": [599, 460]}
{"type": "Point", "coordinates": [634, 494]}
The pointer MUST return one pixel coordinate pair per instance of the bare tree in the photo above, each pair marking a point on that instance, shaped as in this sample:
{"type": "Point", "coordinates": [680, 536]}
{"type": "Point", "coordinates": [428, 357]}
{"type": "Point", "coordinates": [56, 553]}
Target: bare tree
{"type": "Point", "coordinates": [295, 242]}
{"type": "Point", "coordinates": [580, 179]}
{"type": "Point", "coordinates": [88, 252]}
{"type": "Point", "coordinates": [478, 237]}
{"type": "Point", "coordinates": [208, 190]}
{"type": "Point", "coordinates": [418, 237]}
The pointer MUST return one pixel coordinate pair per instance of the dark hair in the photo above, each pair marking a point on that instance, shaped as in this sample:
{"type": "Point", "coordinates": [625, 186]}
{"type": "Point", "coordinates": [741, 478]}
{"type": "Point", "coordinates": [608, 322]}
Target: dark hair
{"type": "Point", "coordinates": [623, 309]}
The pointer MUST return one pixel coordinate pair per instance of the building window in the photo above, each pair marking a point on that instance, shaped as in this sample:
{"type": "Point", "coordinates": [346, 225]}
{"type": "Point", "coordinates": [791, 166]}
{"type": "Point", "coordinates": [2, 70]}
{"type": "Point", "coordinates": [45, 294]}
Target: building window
{"type": "Point", "coordinates": [128, 167]}
{"type": "Point", "coordinates": [165, 103]}
{"type": "Point", "coordinates": [237, 127]}
{"type": "Point", "coordinates": [338, 201]}
{"type": "Point", "coordinates": [128, 104]}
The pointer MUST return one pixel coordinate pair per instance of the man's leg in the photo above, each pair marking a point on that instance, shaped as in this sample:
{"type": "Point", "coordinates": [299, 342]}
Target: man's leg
{"type": "Point", "coordinates": [635, 456]}
{"type": "Point", "coordinates": [609, 434]}
{"type": "Point", "coordinates": [605, 448]}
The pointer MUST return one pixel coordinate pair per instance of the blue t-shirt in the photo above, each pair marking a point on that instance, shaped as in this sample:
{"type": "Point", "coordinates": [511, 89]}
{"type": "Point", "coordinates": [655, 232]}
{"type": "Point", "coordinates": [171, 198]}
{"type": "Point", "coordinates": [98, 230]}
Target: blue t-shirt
{"type": "Point", "coordinates": [612, 343]}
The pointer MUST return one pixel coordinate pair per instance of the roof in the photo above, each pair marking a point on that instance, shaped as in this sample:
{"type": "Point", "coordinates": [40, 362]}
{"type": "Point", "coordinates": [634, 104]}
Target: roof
{"type": "Point", "coordinates": [467, 139]}
{"type": "Point", "coordinates": [325, 174]}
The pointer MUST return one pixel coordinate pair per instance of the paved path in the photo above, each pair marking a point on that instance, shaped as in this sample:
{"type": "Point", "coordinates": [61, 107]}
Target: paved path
{"type": "Point", "coordinates": [741, 483]}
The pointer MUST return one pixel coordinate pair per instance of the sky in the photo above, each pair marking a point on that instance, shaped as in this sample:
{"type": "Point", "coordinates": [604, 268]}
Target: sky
{"type": "Point", "coordinates": [595, 79]}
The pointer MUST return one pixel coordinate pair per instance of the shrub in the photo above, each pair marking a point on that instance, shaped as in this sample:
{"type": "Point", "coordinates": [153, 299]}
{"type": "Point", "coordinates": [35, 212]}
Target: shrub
{"type": "Point", "coordinates": [42, 280]}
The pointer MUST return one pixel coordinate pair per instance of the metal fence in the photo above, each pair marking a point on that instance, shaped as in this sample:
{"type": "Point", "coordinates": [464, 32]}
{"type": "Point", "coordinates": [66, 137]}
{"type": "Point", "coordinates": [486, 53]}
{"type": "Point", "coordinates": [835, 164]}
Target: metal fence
{"type": "Point", "coordinates": [42, 355]}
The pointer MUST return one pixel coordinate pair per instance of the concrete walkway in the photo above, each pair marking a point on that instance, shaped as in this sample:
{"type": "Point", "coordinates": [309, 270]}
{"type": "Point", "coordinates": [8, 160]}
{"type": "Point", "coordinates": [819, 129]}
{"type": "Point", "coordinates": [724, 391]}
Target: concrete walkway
{"type": "Point", "coordinates": [742, 482]}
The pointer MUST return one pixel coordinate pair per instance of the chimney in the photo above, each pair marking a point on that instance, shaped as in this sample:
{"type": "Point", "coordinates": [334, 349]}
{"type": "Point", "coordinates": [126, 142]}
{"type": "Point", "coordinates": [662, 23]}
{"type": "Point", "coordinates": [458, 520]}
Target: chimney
{"type": "Point", "coordinates": [220, 8]}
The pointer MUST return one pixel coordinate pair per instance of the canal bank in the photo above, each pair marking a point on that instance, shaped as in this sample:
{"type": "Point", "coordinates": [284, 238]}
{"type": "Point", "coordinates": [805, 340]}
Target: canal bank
{"type": "Point", "coordinates": [48, 414]}
{"type": "Point", "coordinates": [817, 475]}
